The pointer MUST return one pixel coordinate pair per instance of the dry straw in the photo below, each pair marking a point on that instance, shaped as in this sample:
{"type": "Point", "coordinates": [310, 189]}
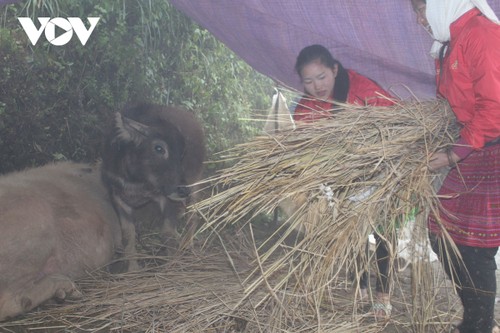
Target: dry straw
{"type": "Point", "coordinates": [380, 152]}
{"type": "Point", "coordinates": [363, 170]}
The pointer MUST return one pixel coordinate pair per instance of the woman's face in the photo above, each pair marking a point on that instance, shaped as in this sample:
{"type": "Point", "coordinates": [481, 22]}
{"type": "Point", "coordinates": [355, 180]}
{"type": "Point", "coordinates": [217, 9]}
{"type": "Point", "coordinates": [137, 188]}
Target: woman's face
{"type": "Point", "coordinates": [319, 80]}
{"type": "Point", "coordinates": [419, 6]}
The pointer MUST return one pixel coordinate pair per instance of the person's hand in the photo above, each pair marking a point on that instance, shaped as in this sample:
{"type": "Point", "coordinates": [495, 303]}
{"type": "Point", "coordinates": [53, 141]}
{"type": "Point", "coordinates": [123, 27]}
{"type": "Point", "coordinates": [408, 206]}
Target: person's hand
{"type": "Point", "coordinates": [443, 159]}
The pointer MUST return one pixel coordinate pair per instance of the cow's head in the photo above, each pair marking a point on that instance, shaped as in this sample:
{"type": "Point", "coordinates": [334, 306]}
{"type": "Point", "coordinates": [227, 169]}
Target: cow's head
{"type": "Point", "coordinates": [148, 155]}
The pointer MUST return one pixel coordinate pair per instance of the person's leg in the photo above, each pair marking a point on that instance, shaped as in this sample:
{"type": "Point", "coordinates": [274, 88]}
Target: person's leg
{"type": "Point", "coordinates": [448, 259]}
{"type": "Point", "coordinates": [382, 307]}
{"type": "Point", "coordinates": [383, 266]}
{"type": "Point", "coordinates": [475, 282]}
{"type": "Point", "coordinates": [479, 289]}
{"type": "Point", "coordinates": [364, 278]}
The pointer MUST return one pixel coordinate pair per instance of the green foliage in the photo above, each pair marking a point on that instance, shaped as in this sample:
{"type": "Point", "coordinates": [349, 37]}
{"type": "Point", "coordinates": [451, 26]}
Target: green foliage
{"type": "Point", "coordinates": [212, 73]}
{"type": "Point", "coordinates": [56, 101]}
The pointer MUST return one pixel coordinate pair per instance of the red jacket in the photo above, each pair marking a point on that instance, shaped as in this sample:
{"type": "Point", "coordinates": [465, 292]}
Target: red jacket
{"type": "Point", "coordinates": [470, 79]}
{"type": "Point", "coordinates": [362, 91]}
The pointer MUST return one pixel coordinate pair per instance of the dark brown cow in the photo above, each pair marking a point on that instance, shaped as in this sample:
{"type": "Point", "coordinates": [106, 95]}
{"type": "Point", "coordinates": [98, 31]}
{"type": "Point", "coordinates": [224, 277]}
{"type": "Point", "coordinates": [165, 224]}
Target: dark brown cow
{"type": "Point", "coordinates": [56, 223]}
{"type": "Point", "coordinates": [153, 155]}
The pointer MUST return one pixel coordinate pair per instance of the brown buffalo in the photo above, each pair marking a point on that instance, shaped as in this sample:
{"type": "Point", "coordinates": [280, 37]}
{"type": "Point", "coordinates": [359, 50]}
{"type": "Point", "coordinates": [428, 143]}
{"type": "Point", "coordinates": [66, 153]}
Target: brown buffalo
{"type": "Point", "coordinates": [153, 155]}
{"type": "Point", "coordinates": [56, 222]}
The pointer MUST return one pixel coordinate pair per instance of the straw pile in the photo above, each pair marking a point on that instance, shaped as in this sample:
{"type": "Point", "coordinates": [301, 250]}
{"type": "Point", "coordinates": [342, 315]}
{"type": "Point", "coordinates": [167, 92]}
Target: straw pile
{"type": "Point", "coordinates": [363, 170]}
{"type": "Point", "coordinates": [189, 293]}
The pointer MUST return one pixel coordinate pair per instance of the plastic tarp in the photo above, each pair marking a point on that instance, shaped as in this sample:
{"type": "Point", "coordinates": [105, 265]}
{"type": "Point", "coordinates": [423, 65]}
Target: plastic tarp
{"type": "Point", "coordinates": [380, 39]}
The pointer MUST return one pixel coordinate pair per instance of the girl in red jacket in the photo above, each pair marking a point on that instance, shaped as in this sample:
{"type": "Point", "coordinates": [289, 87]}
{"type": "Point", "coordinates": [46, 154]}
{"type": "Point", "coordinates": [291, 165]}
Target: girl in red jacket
{"type": "Point", "coordinates": [326, 82]}
{"type": "Point", "coordinates": [467, 50]}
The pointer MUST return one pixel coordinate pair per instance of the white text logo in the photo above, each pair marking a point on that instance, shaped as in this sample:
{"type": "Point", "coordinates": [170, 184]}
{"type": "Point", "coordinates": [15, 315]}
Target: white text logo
{"type": "Point", "coordinates": [49, 26]}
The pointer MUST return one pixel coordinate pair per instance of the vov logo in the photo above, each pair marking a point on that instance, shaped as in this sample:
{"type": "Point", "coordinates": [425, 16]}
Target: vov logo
{"type": "Point", "coordinates": [49, 26]}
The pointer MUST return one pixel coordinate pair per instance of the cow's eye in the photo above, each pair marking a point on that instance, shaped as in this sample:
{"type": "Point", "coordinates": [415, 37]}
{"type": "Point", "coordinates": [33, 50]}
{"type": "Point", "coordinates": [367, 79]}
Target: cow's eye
{"type": "Point", "coordinates": [160, 148]}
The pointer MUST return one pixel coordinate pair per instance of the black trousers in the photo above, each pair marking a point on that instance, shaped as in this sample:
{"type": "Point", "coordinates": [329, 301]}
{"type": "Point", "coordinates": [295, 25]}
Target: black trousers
{"type": "Point", "coordinates": [475, 282]}
{"type": "Point", "coordinates": [383, 265]}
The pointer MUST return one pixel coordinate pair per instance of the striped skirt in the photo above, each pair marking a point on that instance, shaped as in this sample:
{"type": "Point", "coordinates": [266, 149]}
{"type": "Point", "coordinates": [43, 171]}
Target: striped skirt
{"type": "Point", "coordinates": [470, 199]}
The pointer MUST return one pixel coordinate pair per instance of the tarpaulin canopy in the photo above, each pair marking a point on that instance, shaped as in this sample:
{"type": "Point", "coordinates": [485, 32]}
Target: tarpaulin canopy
{"type": "Point", "coordinates": [380, 39]}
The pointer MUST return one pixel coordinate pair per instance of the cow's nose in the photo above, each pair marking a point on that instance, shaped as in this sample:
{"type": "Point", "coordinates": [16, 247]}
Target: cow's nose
{"type": "Point", "coordinates": [180, 194]}
{"type": "Point", "coordinates": [183, 191]}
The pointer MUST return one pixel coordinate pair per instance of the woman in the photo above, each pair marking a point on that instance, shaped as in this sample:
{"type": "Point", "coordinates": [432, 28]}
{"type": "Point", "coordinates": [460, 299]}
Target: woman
{"type": "Point", "coordinates": [467, 52]}
{"type": "Point", "coordinates": [326, 82]}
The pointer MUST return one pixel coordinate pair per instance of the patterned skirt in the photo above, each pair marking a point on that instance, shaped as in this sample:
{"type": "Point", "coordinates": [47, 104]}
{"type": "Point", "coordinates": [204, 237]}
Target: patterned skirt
{"type": "Point", "coordinates": [470, 199]}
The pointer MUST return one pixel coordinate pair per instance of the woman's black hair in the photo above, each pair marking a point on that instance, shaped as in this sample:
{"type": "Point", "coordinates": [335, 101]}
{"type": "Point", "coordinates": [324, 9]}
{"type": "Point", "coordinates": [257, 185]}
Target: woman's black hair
{"type": "Point", "coordinates": [316, 52]}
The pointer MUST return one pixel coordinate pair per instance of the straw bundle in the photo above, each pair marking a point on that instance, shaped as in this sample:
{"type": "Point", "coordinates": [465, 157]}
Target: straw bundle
{"type": "Point", "coordinates": [378, 152]}
{"type": "Point", "coordinates": [363, 170]}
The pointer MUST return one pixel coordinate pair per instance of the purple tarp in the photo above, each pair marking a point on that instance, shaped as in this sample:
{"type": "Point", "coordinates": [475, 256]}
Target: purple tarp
{"type": "Point", "coordinates": [380, 39]}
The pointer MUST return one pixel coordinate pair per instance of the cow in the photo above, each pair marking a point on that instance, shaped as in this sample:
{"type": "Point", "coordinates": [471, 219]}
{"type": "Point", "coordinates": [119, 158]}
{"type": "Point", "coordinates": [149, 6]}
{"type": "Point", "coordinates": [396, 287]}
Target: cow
{"type": "Point", "coordinates": [153, 155]}
{"type": "Point", "coordinates": [56, 223]}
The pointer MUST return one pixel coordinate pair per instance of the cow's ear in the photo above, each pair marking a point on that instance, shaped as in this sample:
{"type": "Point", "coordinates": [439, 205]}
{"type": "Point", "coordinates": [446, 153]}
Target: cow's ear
{"type": "Point", "coordinates": [129, 130]}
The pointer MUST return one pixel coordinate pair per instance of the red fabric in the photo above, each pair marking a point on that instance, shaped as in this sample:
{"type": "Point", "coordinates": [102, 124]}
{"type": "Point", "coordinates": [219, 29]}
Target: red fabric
{"type": "Point", "coordinates": [470, 199]}
{"type": "Point", "coordinates": [310, 109]}
{"type": "Point", "coordinates": [362, 91]}
{"type": "Point", "coordinates": [470, 81]}
{"type": "Point", "coordinates": [470, 77]}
